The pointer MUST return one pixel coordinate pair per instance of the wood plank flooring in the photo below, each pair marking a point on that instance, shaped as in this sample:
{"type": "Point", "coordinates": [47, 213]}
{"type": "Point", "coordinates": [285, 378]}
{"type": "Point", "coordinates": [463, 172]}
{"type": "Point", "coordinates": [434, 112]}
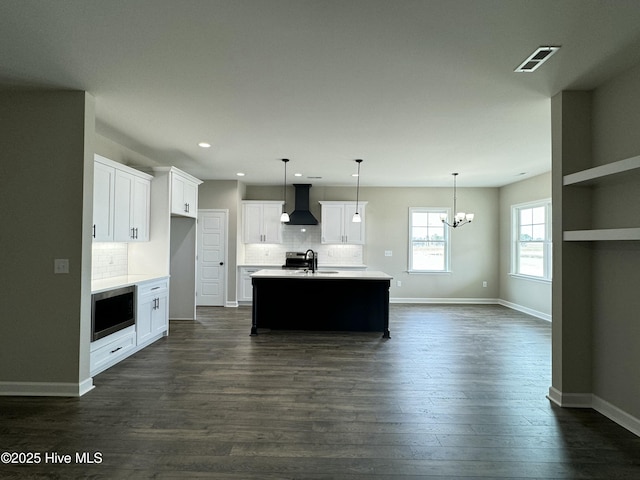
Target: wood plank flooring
{"type": "Point", "coordinates": [458, 392]}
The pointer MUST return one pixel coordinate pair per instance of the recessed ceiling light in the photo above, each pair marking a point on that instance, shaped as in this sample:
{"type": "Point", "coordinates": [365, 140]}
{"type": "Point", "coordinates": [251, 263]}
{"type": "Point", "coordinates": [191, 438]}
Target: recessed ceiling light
{"type": "Point", "coordinates": [355, 175]}
{"type": "Point", "coordinates": [240, 174]}
{"type": "Point", "coordinates": [536, 59]}
{"type": "Point", "coordinates": [297, 174]}
{"type": "Point", "coordinates": [204, 145]}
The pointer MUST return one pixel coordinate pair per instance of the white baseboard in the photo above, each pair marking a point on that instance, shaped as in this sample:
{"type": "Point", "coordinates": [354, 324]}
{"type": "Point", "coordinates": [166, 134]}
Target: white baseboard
{"type": "Point", "coordinates": [468, 301]}
{"type": "Point", "coordinates": [231, 304]}
{"type": "Point", "coordinates": [570, 400]}
{"type": "Point", "coordinates": [46, 389]}
{"type": "Point", "coordinates": [527, 310]}
{"type": "Point", "coordinates": [619, 416]}
{"type": "Point", "coordinates": [589, 400]}
{"type": "Point", "coordinates": [472, 301]}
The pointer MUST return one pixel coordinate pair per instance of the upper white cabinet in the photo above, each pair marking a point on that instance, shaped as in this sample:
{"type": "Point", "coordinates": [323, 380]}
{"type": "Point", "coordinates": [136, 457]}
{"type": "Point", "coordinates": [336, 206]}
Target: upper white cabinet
{"type": "Point", "coordinates": [336, 224]}
{"type": "Point", "coordinates": [103, 202]}
{"type": "Point", "coordinates": [261, 221]}
{"type": "Point", "coordinates": [121, 203]}
{"type": "Point", "coordinates": [132, 199]}
{"type": "Point", "coordinates": [184, 194]}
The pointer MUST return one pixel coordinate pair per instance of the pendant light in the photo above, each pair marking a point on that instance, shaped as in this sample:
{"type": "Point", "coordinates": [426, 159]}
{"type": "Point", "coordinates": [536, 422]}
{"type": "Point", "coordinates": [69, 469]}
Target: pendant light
{"type": "Point", "coordinates": [460, 218]}
{"type": "Point", "coordinates": [284, 218]}
{"type": "Point", "coordinates": [356, 216]}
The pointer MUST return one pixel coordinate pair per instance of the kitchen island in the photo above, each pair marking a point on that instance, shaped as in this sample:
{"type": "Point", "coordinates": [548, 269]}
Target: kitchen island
{"type": "Point", "coordinates": [329, 300]}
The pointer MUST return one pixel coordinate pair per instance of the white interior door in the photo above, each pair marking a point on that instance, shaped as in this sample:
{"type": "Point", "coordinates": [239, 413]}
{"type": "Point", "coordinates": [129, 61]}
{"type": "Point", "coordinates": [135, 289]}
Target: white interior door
{"type": "Point", "coordinates": [212, 257]}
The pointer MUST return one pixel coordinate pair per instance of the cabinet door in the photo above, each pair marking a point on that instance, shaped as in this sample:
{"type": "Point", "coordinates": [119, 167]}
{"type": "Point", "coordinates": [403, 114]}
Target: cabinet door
{"type": "Point", "coordinates": [246, 288]}
{"type": "Point", "coordinates": [354, 232]}
{"type": "Point", "coordinates": [160, 315]}
{"type": "Point", "coordinates": [140, 209]}
{"type": "Point", "coordinates": [143, 319]}
{"type": "Point", "coordinates": [103, 191]}
{"type": "Point", "coordinates": [271, 225]}
{"type": "Point", "coordinates": [332, 223]}
{"type": "Point", "coordinates": [191, 199]}
{"type": "Point", "coordinates": [178, 205]}
{"type": "Point", "coordinates": [252, 223]}
{"type": "Point", "coordinates": [124, 185]}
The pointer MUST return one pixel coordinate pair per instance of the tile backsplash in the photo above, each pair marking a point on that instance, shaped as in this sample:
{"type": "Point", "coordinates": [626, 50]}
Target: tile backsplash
{"type": "Point", "coordinates": [109, 260]}
{"type": "Point", "coordinates": [294, 239]}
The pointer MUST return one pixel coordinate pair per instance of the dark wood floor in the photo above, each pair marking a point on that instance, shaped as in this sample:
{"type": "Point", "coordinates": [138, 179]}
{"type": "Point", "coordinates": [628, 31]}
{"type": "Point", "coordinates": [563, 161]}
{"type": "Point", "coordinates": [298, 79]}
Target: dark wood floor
{"type": "Point", "coordinates": [458, 392]}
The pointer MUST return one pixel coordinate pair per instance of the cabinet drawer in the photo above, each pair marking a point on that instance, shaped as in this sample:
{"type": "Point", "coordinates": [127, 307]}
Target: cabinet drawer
{"type": "Point", "coordinates": [153, 287]}
{"type": "Point", "coordinates": [112, 351]}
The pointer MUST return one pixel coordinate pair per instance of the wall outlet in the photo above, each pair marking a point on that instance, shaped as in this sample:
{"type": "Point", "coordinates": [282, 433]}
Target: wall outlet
{"type": "Point", "coordinates": [399, 283]}
{"type": "Point", "coordinates": [484, 284]}
{"type": "Point", "coordinates": [61, 265]}
{"type": "Point", "coordinates": [388, 253]}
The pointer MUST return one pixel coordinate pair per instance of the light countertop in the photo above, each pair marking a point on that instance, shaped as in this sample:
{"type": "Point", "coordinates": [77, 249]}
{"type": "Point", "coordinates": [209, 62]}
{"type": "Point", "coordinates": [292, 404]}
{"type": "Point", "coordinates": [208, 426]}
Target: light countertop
{"type": "Point", "coordinates": [122, 281]}
{"type": "Point", "coordinates": [326, 266]}
{"type": "Point", "coordinates": [323, 273]}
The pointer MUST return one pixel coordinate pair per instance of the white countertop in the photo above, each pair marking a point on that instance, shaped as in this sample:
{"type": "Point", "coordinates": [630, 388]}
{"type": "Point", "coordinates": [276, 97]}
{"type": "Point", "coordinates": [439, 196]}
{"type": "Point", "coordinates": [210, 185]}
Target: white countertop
{"type": "Point", "coordinates": [323, 274]}
{"type": "Point", "coordinates": [326, 266]}
{"type": "Point", "coordinates": [122, 281]}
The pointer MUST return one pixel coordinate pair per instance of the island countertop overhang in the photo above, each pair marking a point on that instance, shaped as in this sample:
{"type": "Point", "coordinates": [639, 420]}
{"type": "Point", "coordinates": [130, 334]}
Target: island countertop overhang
{"type": "Point", "coordinates": [321, 274]}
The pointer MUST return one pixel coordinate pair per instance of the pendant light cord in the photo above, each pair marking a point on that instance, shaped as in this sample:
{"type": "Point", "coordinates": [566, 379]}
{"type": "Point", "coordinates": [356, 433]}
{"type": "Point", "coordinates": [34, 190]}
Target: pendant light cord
{"type": "Point", "coordinates": [358, 185]}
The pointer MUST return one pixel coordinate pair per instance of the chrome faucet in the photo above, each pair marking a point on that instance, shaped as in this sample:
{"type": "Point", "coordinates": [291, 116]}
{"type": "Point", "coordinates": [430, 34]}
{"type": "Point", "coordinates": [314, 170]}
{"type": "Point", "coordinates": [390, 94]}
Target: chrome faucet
{"type": "Point", "coordinates": [313, 259]}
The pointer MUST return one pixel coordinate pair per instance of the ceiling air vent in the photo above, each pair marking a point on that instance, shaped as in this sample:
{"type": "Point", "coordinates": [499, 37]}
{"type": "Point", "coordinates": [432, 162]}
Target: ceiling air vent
{"type": "Point", "coordinates": [536, 59]}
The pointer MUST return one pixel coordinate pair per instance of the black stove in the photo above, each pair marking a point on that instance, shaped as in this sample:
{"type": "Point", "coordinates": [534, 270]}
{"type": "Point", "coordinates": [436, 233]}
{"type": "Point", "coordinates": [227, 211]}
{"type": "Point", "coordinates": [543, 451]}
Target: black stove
{"type": "Point", "coordinates": [297, 261]}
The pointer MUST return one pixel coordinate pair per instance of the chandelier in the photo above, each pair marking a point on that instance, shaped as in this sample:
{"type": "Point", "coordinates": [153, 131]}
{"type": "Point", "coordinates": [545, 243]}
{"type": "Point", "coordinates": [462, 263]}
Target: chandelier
{"type": "Point", "coordinates": [460, 218]}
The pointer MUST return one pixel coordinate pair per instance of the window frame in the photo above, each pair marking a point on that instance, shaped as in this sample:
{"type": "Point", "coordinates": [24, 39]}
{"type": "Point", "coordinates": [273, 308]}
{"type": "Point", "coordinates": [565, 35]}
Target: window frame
{"type": "Point", "coordinates": [446, 241]}
{"type": "Point", "coordinates": [516, 243]}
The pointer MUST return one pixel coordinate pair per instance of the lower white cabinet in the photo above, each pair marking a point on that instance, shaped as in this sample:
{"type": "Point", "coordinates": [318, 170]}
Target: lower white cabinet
{"type": "Point", "coordinates": [245, 292]}
{"type": "Point", "coordinates": [109, 350]}
{"type": "Point", "coordinates": [152, 323]}
{"type": "Point", "coordinates": [152, 313]}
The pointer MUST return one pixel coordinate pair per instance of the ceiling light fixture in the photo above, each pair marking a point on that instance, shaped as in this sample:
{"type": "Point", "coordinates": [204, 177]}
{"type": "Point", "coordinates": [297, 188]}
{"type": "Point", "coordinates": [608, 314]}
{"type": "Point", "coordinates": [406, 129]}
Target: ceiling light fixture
{"type": "Point", "coordinates": [240, 174]}
{"type": "Point", "coordinates": [460, 218]}
{"type": "Point", "coordinates": [284, 218]}
{"type": "Point", "coordinates": [537, 58]}
{"type": "Point", "coordinates": [204, 145]}
{"type": "Point", "coordinates": [356, 216]}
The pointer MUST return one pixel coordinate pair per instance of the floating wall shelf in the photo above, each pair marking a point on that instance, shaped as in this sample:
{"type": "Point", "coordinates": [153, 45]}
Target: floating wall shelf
{"type": "Point", "coordinates": [615, 171]}
{"type": "Point", "coordinates": [607, 234]}
{"type": "Point", "coordinates": [592, 175]}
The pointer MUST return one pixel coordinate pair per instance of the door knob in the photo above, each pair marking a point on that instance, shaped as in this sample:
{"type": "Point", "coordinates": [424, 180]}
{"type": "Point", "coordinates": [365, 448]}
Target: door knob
{"type": "Point", "coordinates": [221, 263]}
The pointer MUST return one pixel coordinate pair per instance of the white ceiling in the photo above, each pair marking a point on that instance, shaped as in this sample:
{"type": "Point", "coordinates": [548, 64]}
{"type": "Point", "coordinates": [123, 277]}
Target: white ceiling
{"type": "Point", "coordinates": [417, 88]}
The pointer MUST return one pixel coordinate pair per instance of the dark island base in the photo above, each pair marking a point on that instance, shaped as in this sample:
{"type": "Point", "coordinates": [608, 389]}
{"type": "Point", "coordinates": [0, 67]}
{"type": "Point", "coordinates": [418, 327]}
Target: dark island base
{"type": "Point", "coordinates": [321, 304]}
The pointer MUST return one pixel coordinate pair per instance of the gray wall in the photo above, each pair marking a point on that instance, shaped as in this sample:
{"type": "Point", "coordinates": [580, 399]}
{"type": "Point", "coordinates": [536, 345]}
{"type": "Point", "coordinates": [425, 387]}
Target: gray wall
{"type": "Point", "coordinates": [616, 265]}
{"type": "Point", "coordinates": [474, 254]}
{"type": "Point", "coordinates": [225, 194]}
{"type": "Point", "coordinates": [533, 295]}
{"type": "Point", "coordinates": [46, 198]}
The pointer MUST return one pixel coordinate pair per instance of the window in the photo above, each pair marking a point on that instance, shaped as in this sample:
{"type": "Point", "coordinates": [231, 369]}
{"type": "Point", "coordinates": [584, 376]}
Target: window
{"type": "Point", "coordinates": [428, 240]}
{"type": "Point", "coordinates": [531, 252]}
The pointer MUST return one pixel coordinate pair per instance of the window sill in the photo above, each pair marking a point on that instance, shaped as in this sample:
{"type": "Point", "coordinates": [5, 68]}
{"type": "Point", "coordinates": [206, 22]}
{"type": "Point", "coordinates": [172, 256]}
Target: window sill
{"type": "Point", "coordinates": [530, 278]}
{"type": "Point", "coordinates": [429, 272]}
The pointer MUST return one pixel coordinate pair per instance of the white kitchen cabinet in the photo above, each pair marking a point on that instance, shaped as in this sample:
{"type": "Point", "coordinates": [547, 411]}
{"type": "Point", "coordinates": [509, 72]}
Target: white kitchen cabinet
{"type": "Point", "coordinates": [103, 202]}
{"type": "Point", "coordinates": [132, 207]}
{"type": "Point", "coordinates": [111, 349]}
{"type": "Point", "coordinates": [245, 290]}
{"type": "Point", "coordinates": [152, 313]}
{"type": "Point", "coordinates": [121, 203]}
{"type": "Point", "coordinates": [261, 221]}
{"type": "Point", "coordinates": [184, 195]}
{"type": "Point", "coordinates": [336, 224]}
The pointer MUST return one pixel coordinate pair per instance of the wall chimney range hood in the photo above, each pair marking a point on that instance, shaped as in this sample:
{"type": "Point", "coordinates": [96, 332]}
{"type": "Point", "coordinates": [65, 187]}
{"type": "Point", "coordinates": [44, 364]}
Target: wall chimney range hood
{"type": "Point", "coordinates": [301, 215]}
